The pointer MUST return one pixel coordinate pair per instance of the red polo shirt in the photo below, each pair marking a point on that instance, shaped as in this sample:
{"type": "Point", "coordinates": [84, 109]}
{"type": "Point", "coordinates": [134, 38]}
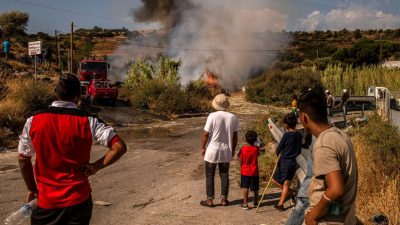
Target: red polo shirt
{"type": "Point", "coordinates": [249, 160]}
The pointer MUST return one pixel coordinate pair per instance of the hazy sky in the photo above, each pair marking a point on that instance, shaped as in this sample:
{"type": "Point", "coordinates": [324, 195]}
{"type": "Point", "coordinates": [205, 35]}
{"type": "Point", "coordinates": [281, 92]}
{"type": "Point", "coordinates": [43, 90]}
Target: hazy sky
{"type": "Point", "coordinates": [48, 15]}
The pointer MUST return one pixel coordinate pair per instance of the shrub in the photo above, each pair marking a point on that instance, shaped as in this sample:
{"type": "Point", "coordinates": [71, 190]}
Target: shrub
{"type": "Point", "coordinates": [156, 87]}
{"type": "Point", "coordinates": [279, 86]}
{"type": "Point", "coordinates": [23, 98]}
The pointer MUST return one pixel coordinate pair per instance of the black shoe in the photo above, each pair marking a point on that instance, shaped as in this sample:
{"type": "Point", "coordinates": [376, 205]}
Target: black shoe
{"type": "Point", "coordinates": [279, 207]}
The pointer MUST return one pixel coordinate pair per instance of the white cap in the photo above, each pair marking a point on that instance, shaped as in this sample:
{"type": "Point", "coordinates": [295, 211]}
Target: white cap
{"type": "Point", "coordinates": [326, 91]}
{"type": "Point", "coordinates": [344, 90]}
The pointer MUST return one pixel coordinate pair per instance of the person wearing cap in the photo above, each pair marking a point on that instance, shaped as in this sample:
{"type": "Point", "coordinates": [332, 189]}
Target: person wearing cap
{"type": "Point", "coordinates": [220, 132]}
{"type": "Point", "coordinates": [61, 137]}
{"type": "Point", "coordinates": [345, 98]}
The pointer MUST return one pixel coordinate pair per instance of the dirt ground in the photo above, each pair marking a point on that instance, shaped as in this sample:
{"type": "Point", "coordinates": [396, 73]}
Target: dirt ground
{"type": "Point", "coordinates": [159, 181]}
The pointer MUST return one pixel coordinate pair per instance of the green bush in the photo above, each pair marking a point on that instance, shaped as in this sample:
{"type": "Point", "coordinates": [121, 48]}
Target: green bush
{"type": "Point", "coordinates": [156, 87]}
{"type": "Point", "coordinates": [278, 86]}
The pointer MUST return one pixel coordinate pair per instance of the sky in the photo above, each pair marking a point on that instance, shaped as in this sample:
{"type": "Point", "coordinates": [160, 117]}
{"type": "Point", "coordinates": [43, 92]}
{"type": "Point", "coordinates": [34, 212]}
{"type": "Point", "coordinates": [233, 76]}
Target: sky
{"type": "Point", "coordinates": [50, 15]}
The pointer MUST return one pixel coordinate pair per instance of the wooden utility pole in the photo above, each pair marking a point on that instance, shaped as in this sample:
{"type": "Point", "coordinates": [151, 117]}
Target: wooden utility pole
{"type": "Point", "coordinates": [58, 52]}
{"type": "Point", "coordinates": [71, 64]}
{"type": "Point", "coordinates": [380, 51]}
{"type": "Point", "coordinates": [317, 60]}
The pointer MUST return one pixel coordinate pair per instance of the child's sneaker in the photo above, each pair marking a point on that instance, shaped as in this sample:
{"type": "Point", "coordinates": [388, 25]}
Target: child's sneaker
{"type": "Point", "coordinates": [245, 206]}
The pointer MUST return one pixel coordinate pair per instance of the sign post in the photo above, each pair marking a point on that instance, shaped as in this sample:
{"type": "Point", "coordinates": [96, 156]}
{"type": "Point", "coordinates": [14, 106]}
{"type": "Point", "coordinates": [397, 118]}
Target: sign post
{"type": "Point", "coordinates": [35, 48]}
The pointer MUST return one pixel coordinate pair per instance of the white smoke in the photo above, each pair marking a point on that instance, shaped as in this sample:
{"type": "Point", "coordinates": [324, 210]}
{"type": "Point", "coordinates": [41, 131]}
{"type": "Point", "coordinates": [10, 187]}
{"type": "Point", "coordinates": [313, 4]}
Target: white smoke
{"type": "Point", "coordinates": [227, 38]}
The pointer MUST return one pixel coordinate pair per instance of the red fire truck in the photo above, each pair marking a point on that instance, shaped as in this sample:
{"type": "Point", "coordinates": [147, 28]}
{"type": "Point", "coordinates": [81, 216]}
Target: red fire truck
{"type": "Point", "coordinates": [92, 73]}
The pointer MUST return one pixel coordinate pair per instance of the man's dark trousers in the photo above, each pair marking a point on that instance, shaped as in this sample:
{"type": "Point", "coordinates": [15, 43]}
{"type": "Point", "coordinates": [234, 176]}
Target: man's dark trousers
{"type": "Point", "coordinates": [224, 175]}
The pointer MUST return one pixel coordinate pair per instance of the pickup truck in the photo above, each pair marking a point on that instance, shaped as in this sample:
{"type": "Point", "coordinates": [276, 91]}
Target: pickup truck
{"type": "Point", "coordinates": [101, 90]}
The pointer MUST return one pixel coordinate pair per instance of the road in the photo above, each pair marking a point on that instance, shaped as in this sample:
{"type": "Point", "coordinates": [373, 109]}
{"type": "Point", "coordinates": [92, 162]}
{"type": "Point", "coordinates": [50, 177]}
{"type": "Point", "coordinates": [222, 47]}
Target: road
{"type": "Point", "coordinates": [159, 181]}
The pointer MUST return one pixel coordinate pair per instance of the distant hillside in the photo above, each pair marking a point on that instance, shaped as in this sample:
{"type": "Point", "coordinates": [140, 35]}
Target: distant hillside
{"type": "Point", "coordinates": [350, 47]}
{"type": "Point", "coordinates": [100, 42]}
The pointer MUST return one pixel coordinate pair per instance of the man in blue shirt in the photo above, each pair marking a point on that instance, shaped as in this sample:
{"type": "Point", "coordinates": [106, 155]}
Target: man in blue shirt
{"type": "Point", "coordinates": [6, 48]}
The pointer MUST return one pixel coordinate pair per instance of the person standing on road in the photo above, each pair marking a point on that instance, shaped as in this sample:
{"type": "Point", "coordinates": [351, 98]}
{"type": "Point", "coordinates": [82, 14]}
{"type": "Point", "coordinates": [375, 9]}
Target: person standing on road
{"type": "Point", "coordinates": [332, 191]}
{"type": "Point", "coordinates": [249, 176]}
{"type": "Point", "coordinates": [220, 132]}
{"type": "Point", "coordinates": [288, 149]}
{"type": "Point", "coordinates": [61, 137]}
{"type": "Point", "coordinates": [6, 48]}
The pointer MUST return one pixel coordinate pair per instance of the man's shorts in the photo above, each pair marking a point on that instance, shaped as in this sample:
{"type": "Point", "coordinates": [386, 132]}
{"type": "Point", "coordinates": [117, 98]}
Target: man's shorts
{"type": "Point", "coordinates": [79, 214]}
{"type": "Point", "coordinates": [251, 182]}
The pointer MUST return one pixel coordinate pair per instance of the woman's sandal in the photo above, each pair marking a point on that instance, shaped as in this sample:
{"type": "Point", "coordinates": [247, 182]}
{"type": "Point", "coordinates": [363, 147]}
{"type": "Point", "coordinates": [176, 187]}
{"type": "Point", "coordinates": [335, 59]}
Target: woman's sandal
{"type": "Point", "coordinates": [205, 204]}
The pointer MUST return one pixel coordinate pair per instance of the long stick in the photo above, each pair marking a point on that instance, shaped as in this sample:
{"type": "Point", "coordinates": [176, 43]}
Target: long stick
{"type": "Point", "coordinates": [266, 189]}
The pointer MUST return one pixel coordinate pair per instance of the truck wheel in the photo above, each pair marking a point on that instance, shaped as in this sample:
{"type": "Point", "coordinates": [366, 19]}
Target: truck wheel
{"type": "Point", "coordinates": [113, 102]}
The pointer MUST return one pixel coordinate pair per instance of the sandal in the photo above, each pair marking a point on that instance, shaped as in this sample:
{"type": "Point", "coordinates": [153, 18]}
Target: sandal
{"type": "Point", "coordinates": [244, 206]}
{"type": "Point", "coordinates": [225, 202]}
{"type": "Point", "coordinates": [205, 204]}
{"type": "Point", "coordinates": [280, 208]}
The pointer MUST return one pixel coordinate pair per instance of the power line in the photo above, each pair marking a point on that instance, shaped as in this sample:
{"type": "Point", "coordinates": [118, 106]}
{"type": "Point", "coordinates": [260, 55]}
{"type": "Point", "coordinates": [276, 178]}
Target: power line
{"type": "Point", "coordinates": [205, 50]}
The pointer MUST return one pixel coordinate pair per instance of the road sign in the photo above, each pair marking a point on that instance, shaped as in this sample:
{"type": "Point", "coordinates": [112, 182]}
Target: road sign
{"type": "Point", "coordinates": [35, 47]}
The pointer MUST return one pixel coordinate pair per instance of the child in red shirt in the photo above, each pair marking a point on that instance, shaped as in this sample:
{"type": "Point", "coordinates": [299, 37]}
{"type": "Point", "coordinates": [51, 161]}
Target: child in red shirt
{"type": "Point", "coordinates": [249, 178]}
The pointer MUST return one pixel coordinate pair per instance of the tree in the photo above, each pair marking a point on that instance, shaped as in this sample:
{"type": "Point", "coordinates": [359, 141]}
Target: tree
{"type": "Point", "coordinates": [357, 34]}
{"type": "Point", "coordinates": [14, 23]}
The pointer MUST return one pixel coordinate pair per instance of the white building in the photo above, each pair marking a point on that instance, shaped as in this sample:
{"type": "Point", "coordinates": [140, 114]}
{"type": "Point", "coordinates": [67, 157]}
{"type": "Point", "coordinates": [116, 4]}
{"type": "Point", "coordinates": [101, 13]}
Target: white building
{"type": "Point", "coordinates": [391, 64]}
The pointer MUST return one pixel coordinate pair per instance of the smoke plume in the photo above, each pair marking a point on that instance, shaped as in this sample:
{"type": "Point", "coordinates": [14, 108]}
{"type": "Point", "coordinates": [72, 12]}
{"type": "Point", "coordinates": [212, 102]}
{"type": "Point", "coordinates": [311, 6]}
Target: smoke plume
{"type": "Point", "coordinates": [230, 38]}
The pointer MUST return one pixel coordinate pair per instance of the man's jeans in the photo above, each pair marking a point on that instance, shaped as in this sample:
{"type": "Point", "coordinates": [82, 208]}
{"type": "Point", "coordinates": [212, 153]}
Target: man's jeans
{"type": "Point", "coordinates": [297, 215]}
{"type": "Point", "coordinates": [224, 175]}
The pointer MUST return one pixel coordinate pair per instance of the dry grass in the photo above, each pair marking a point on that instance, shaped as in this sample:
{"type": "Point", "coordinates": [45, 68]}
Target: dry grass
{"type": "Point", "coordinates": [23, 98]}
{"type": "Point", "coordinates": [378, 191]}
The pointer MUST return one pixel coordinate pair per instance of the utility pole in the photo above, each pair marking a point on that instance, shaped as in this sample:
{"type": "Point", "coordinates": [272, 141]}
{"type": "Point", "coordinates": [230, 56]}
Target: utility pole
{"type": "Point", "coordinates": [317, 61]}
{"type": "Point", "coordinates": [58, 52]}
{"type": "Point", "coordinates": [71, 65]}
{"type": "Point", "coordinates": [380, 51]}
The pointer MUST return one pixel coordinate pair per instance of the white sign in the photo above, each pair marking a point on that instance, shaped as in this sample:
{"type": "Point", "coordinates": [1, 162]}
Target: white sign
{"type": "Point", "coordinates": [35, 47]}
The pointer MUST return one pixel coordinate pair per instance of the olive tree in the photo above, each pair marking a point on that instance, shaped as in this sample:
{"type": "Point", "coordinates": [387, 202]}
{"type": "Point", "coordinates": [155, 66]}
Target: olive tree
{"type": "Point", "coordinates": [13, 23]}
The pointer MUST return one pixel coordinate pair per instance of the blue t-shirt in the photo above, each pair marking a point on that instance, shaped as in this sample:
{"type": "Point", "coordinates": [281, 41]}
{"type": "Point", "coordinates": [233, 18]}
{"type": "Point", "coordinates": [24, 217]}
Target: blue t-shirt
{"type": "Point", "coordinates": [6, 46]}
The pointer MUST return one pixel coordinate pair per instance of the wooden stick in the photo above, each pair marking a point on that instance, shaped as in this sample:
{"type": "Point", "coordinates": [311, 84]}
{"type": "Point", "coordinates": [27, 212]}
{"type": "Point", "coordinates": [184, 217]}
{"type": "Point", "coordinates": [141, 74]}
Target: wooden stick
{"type": "Point", "coordinates": [266, 189]}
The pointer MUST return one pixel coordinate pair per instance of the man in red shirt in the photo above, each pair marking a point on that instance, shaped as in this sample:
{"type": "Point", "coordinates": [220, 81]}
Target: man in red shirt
{"type": "Point", "coordinates": [61, 137]}
{"type": "Point", "coordinates": [249, 177]}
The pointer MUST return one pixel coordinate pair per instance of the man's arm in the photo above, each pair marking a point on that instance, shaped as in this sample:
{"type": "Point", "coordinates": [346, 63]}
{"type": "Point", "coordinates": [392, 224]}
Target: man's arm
{"type": "Point", "coordinates": [334, 191]}
{"type": "Point", "coordinates": [26, 168]}
{"type": "Point", "coordinates": [116, 151]}
{"type": "Point", "coordinates": [234, 143]}
{"type": "Point", "coordinates": [204, 139]}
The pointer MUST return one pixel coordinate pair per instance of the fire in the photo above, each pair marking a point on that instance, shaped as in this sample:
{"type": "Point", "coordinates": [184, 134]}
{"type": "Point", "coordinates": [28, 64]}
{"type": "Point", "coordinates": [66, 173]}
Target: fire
{"type": "Point", "coordinates": [211, 79]}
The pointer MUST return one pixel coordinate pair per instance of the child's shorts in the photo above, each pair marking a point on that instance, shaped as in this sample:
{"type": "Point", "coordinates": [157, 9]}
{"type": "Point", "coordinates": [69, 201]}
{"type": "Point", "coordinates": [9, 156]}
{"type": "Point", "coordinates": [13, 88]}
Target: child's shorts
{"type": "Point", "coordinates": [251, 182]}
{"type": "Point", "coordinates": [285, 171]}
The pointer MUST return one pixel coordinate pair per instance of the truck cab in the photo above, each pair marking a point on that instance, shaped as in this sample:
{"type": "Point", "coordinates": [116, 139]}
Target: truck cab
{"type": "Point", "coordinates": [92, 68]}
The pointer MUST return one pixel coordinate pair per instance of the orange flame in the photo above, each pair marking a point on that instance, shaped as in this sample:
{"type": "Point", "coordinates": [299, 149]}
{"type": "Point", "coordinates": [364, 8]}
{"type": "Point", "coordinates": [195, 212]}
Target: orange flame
{"type": "Point", "coordinates": [211, 79]}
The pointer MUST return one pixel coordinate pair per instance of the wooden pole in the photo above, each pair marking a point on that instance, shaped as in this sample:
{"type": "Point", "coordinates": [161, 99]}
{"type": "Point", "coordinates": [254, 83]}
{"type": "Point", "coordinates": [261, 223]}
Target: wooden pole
{"type": "Point", "coordinates": [269, 182]}
{"type": "Point", "coordinates": [71, 67]}
{"type": "Point", "coordinates": [58, 52]}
